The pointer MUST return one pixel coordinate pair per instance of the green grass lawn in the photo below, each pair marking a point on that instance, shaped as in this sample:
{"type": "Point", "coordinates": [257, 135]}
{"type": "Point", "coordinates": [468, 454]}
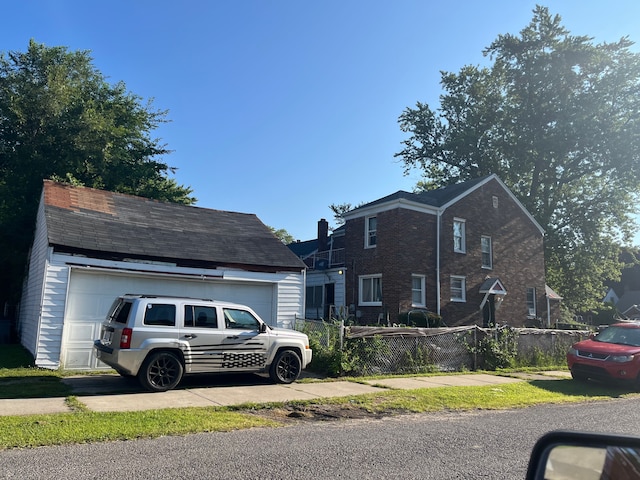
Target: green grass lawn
{"type": "Point", "coordinates": [19, 378]}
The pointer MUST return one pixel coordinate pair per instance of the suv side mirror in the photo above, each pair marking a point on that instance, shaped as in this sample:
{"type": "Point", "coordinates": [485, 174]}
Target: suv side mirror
{"type": "Point", "coordinates": [262, 328]}
{"type": "Point", "coordinates": [578, 455]}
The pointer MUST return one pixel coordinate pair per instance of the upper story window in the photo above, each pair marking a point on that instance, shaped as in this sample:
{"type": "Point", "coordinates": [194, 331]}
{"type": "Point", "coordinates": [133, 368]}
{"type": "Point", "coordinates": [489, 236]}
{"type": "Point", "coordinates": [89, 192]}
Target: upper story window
{"type": "Point", "coordinates": [370, 290]}
{"type": "Point", "coordinates": [487, 256]}
{"type": "Point", "coordinates": [458, 289]}
{"type": "Point", "coordinates": [418, 291]}
{"type": "Point", "coordinates": [531, 301]}
{"type": "Point", "coordinates": [459, 241]}
{"type": "Point", "coordinates": [370, 234]}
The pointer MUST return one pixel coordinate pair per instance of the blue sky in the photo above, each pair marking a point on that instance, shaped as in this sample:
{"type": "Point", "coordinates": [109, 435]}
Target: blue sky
{"type": "Point", "coordinates": [280, 108]}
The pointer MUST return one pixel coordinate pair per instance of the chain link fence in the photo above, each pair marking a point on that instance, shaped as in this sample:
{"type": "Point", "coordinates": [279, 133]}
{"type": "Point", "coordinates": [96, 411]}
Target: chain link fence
{"type": "Point", "coordinates": [390, 350]}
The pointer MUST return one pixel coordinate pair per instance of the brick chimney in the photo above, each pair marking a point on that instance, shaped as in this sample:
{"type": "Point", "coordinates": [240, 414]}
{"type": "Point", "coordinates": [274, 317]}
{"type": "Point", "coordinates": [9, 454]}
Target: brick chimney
{"type": "Point", "coordinates": [323, 235]}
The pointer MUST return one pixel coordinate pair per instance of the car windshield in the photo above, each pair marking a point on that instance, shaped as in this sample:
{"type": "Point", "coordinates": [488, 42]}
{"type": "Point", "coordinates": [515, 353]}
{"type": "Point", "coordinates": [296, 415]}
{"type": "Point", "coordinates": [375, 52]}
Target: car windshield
{"type": "Point", "coordinates": [620, 335]}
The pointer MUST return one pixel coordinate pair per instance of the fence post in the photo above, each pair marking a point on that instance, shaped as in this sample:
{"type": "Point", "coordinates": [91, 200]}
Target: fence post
{"type": "Point", "coordinates": [475, 349]}
{"type": "Point", "coordinates": [341, 333]}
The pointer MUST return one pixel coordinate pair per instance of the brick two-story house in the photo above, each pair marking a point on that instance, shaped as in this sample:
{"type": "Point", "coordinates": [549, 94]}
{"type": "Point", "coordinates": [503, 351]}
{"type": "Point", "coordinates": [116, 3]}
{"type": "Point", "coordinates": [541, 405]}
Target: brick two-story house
{"type": "Point", "coordinates": [469, 252]}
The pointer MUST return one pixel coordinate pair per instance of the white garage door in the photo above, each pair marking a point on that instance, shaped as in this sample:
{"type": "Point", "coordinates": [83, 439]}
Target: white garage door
{"type": "Point", "coordinates": [92, 293]}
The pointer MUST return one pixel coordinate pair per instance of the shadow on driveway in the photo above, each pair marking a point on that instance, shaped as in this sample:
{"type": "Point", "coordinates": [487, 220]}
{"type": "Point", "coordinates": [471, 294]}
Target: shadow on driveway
{"type": "Point", "coordinates": [106, 384]}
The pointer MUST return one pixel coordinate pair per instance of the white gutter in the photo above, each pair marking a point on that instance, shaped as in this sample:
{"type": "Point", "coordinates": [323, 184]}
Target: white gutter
{"type": "Point", "coordinates": [438, 222]}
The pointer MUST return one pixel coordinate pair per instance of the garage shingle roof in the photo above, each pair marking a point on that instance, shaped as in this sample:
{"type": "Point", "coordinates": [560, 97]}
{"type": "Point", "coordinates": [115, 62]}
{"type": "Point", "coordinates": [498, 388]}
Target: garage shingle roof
{"type": "Point", "coordinates": [118, 226]}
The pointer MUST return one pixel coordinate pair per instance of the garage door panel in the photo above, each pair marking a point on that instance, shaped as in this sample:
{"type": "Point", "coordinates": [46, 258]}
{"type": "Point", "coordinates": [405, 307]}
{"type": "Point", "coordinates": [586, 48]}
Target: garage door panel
{"type": "Point", "coordinates": [91, 294]}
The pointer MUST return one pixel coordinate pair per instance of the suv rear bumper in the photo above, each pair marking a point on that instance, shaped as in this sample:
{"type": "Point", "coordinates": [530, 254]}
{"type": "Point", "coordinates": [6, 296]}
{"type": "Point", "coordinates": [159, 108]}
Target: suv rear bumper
{"type": "Point", "coordinates": [124, 361]}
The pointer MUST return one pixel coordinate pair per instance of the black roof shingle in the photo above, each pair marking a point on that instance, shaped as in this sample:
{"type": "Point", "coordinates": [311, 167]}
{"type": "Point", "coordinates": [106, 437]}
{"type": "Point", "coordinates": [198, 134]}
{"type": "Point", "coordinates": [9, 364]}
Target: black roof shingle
{"type": "Point", "coordinates": [118, 226]}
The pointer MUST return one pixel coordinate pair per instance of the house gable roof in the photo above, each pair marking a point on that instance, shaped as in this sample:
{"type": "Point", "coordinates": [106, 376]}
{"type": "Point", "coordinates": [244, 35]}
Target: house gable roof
{"type": "Point", "coordinates": [435, 200]}
{"type": "Point", "coordinates": [117, 226]}
{"type": "Point", "coordinates": [628, 301]}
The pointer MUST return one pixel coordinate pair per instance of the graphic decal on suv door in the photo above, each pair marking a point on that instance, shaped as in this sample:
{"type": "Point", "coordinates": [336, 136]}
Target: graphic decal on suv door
{"type": "Point", "coordinates": [243, 360]}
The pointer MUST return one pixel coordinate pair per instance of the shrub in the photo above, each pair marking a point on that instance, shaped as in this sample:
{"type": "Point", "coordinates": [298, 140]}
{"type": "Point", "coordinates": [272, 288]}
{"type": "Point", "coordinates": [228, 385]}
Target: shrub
{"type": "Point", "coordinates": [498, 349]}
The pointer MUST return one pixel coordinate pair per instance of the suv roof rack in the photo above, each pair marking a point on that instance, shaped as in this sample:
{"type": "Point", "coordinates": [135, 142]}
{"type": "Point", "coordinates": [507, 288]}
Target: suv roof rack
{"type": "Point", "coordinates": [166, 296]}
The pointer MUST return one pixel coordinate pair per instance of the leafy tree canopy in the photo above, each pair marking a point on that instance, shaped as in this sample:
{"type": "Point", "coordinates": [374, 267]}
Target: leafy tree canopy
{"type": "Point", "coordinates": [282, 235]}
{"type": "Point", "coordinates": [61, 119]}
{"type": "Point", "coordinates": [557, 118]}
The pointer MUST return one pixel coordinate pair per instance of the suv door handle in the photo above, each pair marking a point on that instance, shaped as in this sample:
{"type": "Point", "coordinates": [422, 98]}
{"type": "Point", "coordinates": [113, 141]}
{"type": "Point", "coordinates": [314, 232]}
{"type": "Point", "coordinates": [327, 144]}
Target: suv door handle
{"type": "Point", "coordinates": [189, 336]}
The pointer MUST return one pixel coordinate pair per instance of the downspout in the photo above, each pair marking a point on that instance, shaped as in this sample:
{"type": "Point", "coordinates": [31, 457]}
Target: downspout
{"type": "Point", "coordinates": [438, 225]}
{"type": "Point", "coordinates": [303, 307]}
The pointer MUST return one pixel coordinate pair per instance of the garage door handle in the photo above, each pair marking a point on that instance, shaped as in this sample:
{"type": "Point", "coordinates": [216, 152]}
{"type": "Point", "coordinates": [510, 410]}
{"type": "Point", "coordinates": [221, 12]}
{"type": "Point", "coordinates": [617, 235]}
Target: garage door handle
{"type": "Point", "coordinates": [190, 336]}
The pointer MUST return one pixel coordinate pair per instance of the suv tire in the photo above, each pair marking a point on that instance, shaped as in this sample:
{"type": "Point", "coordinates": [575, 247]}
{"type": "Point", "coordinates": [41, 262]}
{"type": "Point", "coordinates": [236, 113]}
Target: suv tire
{"type": "Point", "coordinates": [160, 372]}
{"type": "Point", "coordinates": [286, 367]}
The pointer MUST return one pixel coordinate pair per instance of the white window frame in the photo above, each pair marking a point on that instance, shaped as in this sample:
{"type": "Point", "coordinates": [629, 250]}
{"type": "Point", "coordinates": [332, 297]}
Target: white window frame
{"type": "Point", "coordinates": [373, 301]}
{"type": "Point", "coordinates": [370, 233]}
{"type": "Point", "coordinates": [463, 241]}
{"type": "Point", "coordinates": [531, 302]}
{"type": "Point", "coordinates": [420, 291]}
{"type": "Point", "coordinates": [489, 252]}
{"type": "Point", "coordinates": [463, 288]}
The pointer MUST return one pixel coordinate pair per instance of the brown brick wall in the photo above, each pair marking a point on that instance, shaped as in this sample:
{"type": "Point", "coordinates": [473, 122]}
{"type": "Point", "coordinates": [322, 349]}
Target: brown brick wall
{"type": "Point", "coordinates": [518, 256]}
{"type": "Point", "coordinates": [406, 245]}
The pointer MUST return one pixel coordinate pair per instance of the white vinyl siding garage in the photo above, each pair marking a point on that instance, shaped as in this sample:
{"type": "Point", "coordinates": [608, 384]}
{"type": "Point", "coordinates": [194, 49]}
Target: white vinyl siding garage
{"type": "Point", "coordinates": [81, 261]}
{"type": "Point", "coordinates": [92, 293]}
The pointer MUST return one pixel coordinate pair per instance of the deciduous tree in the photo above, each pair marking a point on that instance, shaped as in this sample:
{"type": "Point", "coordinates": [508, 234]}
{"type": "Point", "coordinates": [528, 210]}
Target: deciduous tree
{"type": "Point", "coordinates": [557, 117]}
{"type": "Point", "coordinates": [60, 118]}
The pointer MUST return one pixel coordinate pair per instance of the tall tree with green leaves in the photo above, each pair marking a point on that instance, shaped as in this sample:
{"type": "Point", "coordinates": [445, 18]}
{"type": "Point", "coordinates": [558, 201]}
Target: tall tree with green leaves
{"type": "Point", "coordinates": [61, 119]}
{"type": "Point", "coordinates": [557, 118]}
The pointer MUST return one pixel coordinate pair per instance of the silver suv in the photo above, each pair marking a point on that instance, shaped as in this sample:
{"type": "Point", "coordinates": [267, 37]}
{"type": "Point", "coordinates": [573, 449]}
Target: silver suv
{"type": "Point", "coordinates": [159, 339]}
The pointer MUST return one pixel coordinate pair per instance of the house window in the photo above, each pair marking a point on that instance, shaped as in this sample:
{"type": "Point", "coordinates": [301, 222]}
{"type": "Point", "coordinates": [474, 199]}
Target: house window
{"type": "Point", "coordinates": [531, 301]}
{"type": "Point", "coordinates": [314, 297]}
{"type": "Point", "coordinates": [458, 289]}
{"type": "Point", "coordinates": [487, 261]}
{"type": "Point", "coordinates": [458, 236]}
{"type": "Point", "coordinates": [370, 234]}
{"type": "Point", "coordinates": [370, 290]}
{"type": "Point", "coordinates": [418, 291]}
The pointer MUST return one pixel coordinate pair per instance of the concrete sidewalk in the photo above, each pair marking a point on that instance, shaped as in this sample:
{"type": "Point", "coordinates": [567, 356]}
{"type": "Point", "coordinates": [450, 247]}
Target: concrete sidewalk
{"type": "Point", "coordinates": [99, 392]}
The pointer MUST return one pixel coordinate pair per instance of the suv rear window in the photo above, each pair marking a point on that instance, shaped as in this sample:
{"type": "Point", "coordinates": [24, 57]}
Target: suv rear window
{"type": "Point", "coordinates": [160, 314]}
{"type": "Point", "coordinates": [122, 312]}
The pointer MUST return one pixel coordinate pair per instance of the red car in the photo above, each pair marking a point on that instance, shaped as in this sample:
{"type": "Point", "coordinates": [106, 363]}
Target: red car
{"type": "Point", "coordinates": [613, 354]}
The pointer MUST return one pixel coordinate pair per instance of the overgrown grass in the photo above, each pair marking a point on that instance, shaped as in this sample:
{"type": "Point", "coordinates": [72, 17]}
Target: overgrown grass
{"type": "Point", "coordinates": [83, 426]}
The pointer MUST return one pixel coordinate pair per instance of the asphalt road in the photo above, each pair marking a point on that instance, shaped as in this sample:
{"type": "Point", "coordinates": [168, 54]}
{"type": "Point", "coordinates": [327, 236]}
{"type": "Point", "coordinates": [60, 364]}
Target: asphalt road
{"type": "Point", "coordinates": [477, 445]}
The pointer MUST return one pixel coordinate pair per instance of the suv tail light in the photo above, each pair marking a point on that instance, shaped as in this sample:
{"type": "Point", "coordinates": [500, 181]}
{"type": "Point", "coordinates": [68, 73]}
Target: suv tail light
{"type": "Point", "coordinates": [125, 338]}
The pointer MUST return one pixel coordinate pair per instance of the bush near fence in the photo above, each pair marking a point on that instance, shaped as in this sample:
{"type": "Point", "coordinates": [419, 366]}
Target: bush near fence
{"type": "Point", "coordinates": [359, 351]}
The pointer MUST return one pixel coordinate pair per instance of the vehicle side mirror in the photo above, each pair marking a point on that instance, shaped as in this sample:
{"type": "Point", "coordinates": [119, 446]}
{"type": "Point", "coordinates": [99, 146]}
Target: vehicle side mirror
{"type": "Point", "coordinates": [263, 328]}
{"type": "Point", "coordinates": [579, 455]}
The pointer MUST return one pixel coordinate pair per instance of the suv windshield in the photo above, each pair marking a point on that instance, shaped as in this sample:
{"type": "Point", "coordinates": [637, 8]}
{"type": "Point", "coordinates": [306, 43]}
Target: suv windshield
{"type": "Point", "coordinates": [620, 335]}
